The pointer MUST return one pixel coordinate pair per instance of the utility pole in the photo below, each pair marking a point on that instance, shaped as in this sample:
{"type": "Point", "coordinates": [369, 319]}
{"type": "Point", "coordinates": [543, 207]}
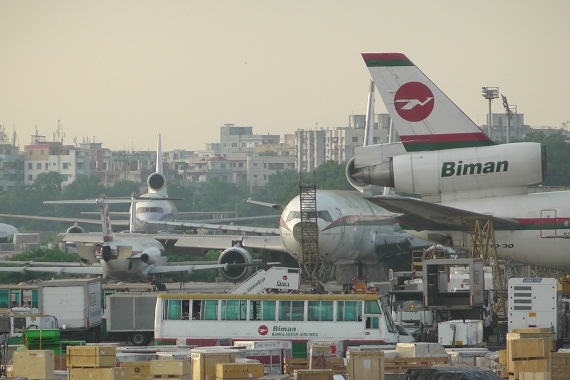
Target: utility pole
{"type": "Point", "coordinates": [490, 93]}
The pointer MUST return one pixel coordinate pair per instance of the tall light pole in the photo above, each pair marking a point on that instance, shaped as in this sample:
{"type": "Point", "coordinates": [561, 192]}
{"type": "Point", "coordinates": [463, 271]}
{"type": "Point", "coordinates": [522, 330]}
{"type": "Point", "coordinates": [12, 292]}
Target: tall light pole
{"type": "Point", "coordinates": [490, 93]}
{"type": "Point", "coordinates": [509, 114]}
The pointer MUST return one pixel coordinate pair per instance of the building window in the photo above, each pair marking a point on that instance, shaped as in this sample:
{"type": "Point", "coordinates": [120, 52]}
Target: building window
{"type": "Point", "coordinates": [30, 177]}
{"type": "Point", "coordinates": [355, 139]}
{"type": "Point", "coordinates": [30, 166]}
{"type": "Point", "coordinates": [66, 165]}
{"type": "Point", "coordinates": [39, 166]}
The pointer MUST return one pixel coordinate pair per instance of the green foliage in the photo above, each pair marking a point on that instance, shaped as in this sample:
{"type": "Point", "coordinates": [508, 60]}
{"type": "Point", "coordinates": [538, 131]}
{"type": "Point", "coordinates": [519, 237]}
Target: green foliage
{"type": "Point", "coordinates": [557, 157]}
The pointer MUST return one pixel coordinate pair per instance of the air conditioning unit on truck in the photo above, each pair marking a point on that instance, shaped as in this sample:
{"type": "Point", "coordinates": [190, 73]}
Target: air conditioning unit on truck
{"type": "Point", "coordinates": [77, 306]}
{"type": "Point", "coordinates": [130, 317]}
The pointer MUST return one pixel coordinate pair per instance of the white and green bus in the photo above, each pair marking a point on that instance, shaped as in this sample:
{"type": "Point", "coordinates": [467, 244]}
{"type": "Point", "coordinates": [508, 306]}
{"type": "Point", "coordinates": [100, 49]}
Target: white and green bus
{"type": "Point", "coordinates": [210, 319]}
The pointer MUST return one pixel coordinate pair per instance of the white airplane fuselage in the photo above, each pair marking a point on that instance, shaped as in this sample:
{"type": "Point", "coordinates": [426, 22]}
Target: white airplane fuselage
{"type": "Point", "coordinates": [156, 210]}
{"type": "Point", "coordinates": [133, 264]}
{"type": "Point", "coordinates": [349, 227]}
{"type": "Point", "coordinates": [544, 227]}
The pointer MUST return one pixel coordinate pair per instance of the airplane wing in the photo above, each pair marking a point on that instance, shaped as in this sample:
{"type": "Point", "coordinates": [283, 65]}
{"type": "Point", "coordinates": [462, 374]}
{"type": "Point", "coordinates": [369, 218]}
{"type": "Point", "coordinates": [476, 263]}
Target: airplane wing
{"type": "Point", "coordinates": [189, 268]}
{"type": "Point", "coordinates": [420, 215]}
{"type": "Point", "coordinates": [274, 243]}
{"type": "Point", "coordinates": [53, 218]}
{"type": "Point", "coordinates": [218, 227]}
{"type": "Point", "coordinates": [265, 204]}
{"type": "Point", "coordinates": [59, 269]}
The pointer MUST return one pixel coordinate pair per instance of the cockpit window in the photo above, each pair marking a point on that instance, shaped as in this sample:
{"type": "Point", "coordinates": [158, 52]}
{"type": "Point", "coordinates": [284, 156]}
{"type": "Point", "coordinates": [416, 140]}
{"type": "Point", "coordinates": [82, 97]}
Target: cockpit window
{"type": "Point", "coordinates": [149, 209]}
{"type": "Point", "coordinates": [292, 215]}
{"type": "Point", "coordinates": [324, 215]}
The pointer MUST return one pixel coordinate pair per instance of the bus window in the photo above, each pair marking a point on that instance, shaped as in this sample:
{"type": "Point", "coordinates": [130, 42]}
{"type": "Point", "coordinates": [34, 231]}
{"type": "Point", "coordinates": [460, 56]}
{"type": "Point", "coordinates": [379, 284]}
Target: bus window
{"type": "Point", "coordinates": [185, 309]}
{"type": "Point", "coordinates": [320, 310]}
{"type": "Point", "coordinates": [372, 322]}
{"type": "Point", "coordinates": [210, 310]}
{"type": "Point", "coordinates": [234, 310]}
{"type": "Point", "coordinates": [196, 307]}
{"type": "Point", "coordinates": [371, 307]}
{"type": "Point", "coordinates": [173, 308]}
{"type": "Point", "coordinates": [349, 311]}
{"type": "Point", "coordinates": [291, 310]}
{"type": "Point", "coordinates": [267, 310]}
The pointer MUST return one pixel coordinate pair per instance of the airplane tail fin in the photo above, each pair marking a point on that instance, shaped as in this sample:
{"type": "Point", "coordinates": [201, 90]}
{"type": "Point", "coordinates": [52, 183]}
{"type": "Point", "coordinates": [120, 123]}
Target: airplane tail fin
{"type": "Point", "coordinates": [425, 118]}
{"type": "Point", "coordinates": [157, 181]}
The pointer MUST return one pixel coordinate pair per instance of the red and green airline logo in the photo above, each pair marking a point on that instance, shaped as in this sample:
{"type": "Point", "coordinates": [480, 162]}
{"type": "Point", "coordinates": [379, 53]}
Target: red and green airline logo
{"type": "Point", "coordinates": [414, 101]}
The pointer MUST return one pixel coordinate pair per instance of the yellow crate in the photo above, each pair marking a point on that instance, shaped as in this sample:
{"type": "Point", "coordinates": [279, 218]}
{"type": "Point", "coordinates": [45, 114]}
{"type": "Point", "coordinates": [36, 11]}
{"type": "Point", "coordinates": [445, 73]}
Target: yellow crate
{"type": "Point", "coordinates": [136, 370]}
{"type": "Point", "coordinates": [102, 373]}
{"type": "Point", "coordinates": [169, 367]}
{"type": "Point", "coordinates": [239, 370]}
{"type": "Point", "coordinates": [91, 356]}
{"type": "Point", "coordinates": [33, 364]}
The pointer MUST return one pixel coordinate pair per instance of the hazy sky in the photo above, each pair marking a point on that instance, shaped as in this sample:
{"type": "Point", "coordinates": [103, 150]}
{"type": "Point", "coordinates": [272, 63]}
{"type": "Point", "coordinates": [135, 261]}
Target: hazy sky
{"type": "Point", "coordinates": [123, 71]}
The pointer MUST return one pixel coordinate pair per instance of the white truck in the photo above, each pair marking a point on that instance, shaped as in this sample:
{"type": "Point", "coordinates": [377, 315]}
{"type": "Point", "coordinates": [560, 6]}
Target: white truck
{"type": "Point", "coordinates": [536, 302]}
{"type": "Point", "coordinates": [129, 317]}
{"type": "Point", "coordinates": [76, 304]}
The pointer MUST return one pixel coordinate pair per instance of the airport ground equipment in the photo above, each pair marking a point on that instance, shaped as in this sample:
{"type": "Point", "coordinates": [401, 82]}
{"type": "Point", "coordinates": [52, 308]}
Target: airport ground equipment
{"type": "Point", "coordinates": [129, 316]}
{"type": "Point", "coordinates": [76, 304]}
{"type": "Point", "coordinates": [273, 279]}
{"type": "Point", "coordinates": [536, 302]}
{"type": "Point", "coordinates": [449, 302]}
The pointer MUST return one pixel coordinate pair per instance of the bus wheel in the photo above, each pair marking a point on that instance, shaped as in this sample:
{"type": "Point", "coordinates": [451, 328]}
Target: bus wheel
{"type": "Point", "coordinates": [139, 339]}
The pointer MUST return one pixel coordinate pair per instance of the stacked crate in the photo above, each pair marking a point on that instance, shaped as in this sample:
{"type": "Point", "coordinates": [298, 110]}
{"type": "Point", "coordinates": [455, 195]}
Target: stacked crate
{"type": "Point", "coordinates": [238, 371]}
{"type": "Point", "coordinates": [33, 364]}
{"type": "Point", "coordinates": [365, 365]}
{"type": "Point", "coordinates": [313, 374]}
{"type": "Point", "coordinates": [319, 357]}
{"type": "Point", "coordinates": [527, 350]}
{"type": "Point", "coordinates": [170, 369]}
{"type": "Point", "coordinates": [136, 370]}
{"type": "Point", "coordinates": [93, 362]}
{"type": "Point", "coordinates": [204, 362]}
{"type": "Point", "coordinates": [559, 365]}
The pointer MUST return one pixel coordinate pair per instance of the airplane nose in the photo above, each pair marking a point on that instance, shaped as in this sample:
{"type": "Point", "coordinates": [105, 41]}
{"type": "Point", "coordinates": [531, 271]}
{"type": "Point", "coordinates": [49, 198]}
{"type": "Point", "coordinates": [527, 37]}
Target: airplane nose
{"type": "Point", "coordinates": [309, 229]}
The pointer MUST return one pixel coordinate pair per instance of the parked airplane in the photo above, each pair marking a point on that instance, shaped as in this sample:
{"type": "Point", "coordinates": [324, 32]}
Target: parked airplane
{"type": "Point", "coordinates": [123, 257]}
{"type": "Point", "coordinates": [7, 232]}
{"type": "Point", "coordinates": [459, 172]}
{"type": "Point", "coordinates": [354, 235]}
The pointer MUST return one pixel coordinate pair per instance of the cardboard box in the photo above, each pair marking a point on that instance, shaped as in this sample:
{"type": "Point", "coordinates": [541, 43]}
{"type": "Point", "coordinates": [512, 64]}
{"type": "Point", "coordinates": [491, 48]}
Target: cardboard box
{"type": "Point", "coordinates": [102, 373]}
{"type": "Point", "coordinates": [170, 367]}
{"type": "Point", "coordinates": [365, 365]}
{"type": "Point", "coordinates": [313, 374]}
{"type": "Point", "coordinates": [275, 377]}
{"type": "Point", "coordinates": [33, 364]}
{"type": "Point", "coordinates": [136, 370]}
{"type": "Point", "coordinates": [91, 356]}
{"type": "Point", "coordinates": [204, 362]}
{"type": "Point", "coordinates": [239, 371]}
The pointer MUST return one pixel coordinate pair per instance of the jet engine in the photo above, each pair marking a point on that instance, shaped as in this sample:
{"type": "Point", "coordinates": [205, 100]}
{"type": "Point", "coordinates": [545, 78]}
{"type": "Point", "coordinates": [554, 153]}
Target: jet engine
{"type": "Point", "coordinates": [75, 229]}
{"type": "Point", "coordinates": [150, 256]}
{"type": "Point", "coordinates": [156, 181]}
{"type": "Point", "coordinates": [236, 255]}
{"type": "Point", "coordinates": [455, 170]}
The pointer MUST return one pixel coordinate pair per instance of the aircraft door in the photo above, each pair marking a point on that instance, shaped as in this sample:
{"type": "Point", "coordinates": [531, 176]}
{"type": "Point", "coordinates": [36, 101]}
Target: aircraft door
{"type": "Point", "coordinates": [548, 220]}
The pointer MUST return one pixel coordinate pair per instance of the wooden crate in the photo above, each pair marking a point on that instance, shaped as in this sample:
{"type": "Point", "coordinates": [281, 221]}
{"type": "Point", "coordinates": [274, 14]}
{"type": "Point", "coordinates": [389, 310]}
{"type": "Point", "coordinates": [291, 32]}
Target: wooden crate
{"type": "Point", "coordinates": [101, 373]}
{"type": "Point", "coordinates": [33, 364]}
{"type": "Point", "coordinates": [91, 356]}
{"type": "Point", "coordinates": [531, 347]}
{"type": "Point", "coordinates": [239, 371]}
{"type": "Point", "coordinates": [292, 364]}
{"type": "Point", "coordinates": [401, 365]}
{"type": "Point", "coordinates": [169, 367]}
{"type": "Point", "coordinates": [136, 370]}
{"type": "Point", "coordinates": [559, 365]}
{"type": "Point", "coordinates": [529, 365]}
{"type": "Point", "coordinates": [534, 376]}
{"type": "Point", "coordinates": [313, 374]}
